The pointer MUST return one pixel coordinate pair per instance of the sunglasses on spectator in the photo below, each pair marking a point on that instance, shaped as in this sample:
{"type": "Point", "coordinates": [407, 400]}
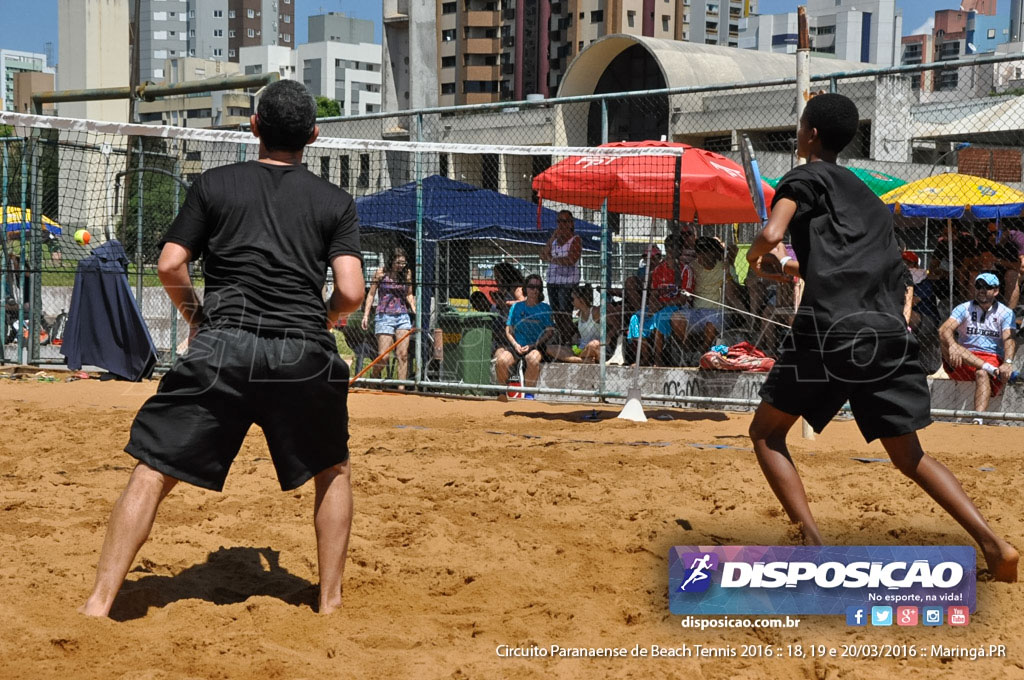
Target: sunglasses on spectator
{"type": "Point", "coordinates": [535, 286]}
{"type": "Point", "coordinates": [981, 285]}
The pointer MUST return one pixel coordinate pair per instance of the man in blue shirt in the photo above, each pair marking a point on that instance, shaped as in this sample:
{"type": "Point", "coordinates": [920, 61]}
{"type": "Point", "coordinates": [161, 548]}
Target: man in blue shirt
{"type": "Point", "coordinates": [983, 349]}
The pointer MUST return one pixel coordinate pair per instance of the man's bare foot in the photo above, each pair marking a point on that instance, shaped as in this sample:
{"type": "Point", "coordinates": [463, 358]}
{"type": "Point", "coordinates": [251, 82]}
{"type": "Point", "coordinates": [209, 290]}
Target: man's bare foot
{"type": "Point", "coordinates": [328, 608]}
{"type": "Point", "coordinates": [502, 397]}
{"type": "Point", "coordinates": [92, 609]}
{"type": "Point", "coordinates": [1002, 562]}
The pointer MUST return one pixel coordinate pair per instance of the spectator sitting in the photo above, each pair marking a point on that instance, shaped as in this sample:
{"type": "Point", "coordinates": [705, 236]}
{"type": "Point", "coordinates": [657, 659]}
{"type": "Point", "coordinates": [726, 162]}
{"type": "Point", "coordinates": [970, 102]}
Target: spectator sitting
{"type": "Point", "coordinates": [983, 348]}
{"type": "Point", "coordinates": [671, 284]}
{"type": "Point", "coordinates": [589, 324]}
{"type": "Point", "coordinates": [529, 332]}
{"type": "Point", "coordinates": [706, 317]}
{"type": "Point", "coordinates": [1013, 235]}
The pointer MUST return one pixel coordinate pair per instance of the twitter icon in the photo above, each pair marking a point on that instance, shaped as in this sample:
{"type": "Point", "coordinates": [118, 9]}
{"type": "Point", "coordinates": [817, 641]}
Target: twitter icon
{"type": "Point", "coordinates": [881, 616]}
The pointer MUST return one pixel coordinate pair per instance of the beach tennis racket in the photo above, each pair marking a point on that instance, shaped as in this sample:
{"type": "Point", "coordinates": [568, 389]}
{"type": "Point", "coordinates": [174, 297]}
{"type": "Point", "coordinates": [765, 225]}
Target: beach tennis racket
{"type": "Point", "coordinates": [753, 175]}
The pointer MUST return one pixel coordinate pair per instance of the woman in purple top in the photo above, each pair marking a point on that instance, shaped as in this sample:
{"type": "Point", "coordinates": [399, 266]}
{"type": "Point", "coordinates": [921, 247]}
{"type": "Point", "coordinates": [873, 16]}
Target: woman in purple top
{"type": "Point", "coordinates": [393, 283]}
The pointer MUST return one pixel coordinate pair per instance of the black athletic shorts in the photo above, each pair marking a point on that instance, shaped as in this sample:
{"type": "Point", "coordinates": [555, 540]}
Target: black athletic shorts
{"type": "Point", "coordinates": [294, 387]}
{"type": "Point", "coordinates": [881, 377]}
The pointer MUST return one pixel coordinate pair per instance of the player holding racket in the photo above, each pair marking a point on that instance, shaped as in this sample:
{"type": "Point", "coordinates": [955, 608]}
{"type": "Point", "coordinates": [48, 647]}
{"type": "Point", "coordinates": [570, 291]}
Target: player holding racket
{"type": "Point", "coordinates": [849, 340]}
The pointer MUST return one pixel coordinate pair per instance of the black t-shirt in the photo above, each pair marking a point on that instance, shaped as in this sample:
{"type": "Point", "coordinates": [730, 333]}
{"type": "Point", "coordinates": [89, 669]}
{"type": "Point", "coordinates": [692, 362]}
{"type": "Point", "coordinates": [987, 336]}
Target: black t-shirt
{"type": "Point", "coordinates": [843, 238]}
{"type": "Point", "coordinates": [266, 234]}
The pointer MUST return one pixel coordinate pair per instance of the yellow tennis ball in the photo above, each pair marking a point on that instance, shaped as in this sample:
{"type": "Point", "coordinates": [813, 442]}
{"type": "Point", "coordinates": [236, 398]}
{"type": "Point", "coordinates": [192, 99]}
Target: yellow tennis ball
{"type": "Point", "coordinates": [82, 237]}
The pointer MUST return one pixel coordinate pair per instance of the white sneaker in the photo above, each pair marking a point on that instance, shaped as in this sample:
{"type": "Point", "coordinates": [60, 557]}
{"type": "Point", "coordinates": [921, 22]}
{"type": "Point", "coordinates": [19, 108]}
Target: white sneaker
{"type": "Point", "coordinates": [977, 421]}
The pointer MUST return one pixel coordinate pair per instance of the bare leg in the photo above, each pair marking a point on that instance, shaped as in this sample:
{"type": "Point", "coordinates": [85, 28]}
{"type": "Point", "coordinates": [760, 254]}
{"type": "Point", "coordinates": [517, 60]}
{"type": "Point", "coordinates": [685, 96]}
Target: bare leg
{"type": "Point", "coordinates": [503, 361]}
{"type": "Point", "coordinates": [531, 369]}
{"type": "Point", "coordinates": [383, 342]}
{"type": "Point", "coordinates": [129, 526]}
{"type": "Point", "coordinates": [939, 483]}
{"type": "Point", "coordinates": [982, 390]}
{"type": "Point", "coordinates": [332, 518]}
{"type": "Point", "coordinates": [768, 433]}
{"type": "Point", "coordinates": [402, 355]}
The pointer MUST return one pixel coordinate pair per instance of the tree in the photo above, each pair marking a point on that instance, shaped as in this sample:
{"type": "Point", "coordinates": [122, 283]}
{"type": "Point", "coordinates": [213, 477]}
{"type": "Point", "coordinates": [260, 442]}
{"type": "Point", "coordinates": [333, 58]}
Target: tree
{"type": "Point", "coordinates": [327, 108]}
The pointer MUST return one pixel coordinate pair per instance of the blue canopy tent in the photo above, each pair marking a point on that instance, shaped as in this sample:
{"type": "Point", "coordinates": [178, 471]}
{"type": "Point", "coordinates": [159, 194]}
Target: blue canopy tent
{"type": "Point", "coordinates": [456, 211]}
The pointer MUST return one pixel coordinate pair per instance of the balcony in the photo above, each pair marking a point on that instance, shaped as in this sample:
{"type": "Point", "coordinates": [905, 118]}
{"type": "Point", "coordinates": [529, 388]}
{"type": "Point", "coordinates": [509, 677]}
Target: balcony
{"type": "Point", "coordinates": [482, 72]}
{"type": "Point", "coordinates": [480, 97]}
{"type": "Point", "coordinates": [482, 46]}
{"type": "Point", "coordinates": [400, 15]}
{"type": "Point", "coordinates": [482, 18]}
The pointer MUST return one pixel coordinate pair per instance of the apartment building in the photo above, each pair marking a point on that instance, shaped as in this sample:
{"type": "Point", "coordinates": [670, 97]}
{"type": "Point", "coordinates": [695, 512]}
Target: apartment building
{"type": "Point", "coordinates": [13, 62]}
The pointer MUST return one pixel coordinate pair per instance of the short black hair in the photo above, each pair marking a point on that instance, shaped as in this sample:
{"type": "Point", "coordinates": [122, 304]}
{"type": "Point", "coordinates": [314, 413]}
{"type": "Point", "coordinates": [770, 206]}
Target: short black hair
{"type": "Point", "coordinates": [835, 117]}
{"type": "Point", "coordinates": [709, 245]}
{"type": "Point", "coordinates": [674, 241]}
{"type": "Point", "coordinates": [286, 116]}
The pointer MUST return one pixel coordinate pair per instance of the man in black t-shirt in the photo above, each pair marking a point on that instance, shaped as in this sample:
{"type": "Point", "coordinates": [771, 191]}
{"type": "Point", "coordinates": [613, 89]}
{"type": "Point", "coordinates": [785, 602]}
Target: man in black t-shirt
{"type": "Point", "coordinates": [849, 340]}
{"type": "Point", "coordinates": [259, 350]}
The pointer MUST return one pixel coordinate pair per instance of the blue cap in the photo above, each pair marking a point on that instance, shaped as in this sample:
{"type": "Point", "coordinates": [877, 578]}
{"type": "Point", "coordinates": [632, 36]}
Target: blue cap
{"type": "Point", "coordinates": [990, 279]}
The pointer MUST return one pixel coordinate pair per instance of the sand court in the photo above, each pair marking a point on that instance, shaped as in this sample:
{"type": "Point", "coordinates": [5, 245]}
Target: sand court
{"type": "Point", "coordinates": [480, 528]}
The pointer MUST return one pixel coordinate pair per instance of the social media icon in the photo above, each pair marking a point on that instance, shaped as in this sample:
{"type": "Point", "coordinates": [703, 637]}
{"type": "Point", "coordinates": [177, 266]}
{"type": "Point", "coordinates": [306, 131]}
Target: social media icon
{"type": "Point", "coordinates": [932, 616]}
{"type": "Point", "coordinates": [959, 616]}
{"type": "Point", "coordinates": [906, 616]}
{"type": "Point", "coordinates": [881, 616]}
{"type": "Point", "coordinates": [856, 616]}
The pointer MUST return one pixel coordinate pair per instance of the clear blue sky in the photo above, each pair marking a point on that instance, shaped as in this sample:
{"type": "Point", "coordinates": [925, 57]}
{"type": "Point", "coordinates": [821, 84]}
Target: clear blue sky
{"type": "Point", "coordinates": [29, 24]}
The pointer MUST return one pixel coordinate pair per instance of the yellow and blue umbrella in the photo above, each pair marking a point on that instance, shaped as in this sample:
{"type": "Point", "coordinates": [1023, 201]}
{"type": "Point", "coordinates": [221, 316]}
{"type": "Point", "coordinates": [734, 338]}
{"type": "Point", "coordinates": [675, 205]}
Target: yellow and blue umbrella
{"type": "Point", "coordinates": [15, 220]}
{"type": "Point", "coordinates": [950, 195]}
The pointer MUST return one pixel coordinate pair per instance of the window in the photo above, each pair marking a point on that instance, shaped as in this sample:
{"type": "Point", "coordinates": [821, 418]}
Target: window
{"type": "Point", "coordinates": [159, 16]}
{"type": "Point", "coordinates": [251, 33]}
{"type": "Point", "coordinates": [447, 88]}
{"type": "Point", "coordinates": [218, 33]}
{"type": "Point", "coordinates": [191, 14]}
{"type": "Point", "coordinates": [597, 16]}
{"type": "Point", "coordinates": [363, 181]}
{"type": "Point", "coordinates": [231, 33]}
{"type": "Point", "coordinates": [251, 13]}
{"type": "Point", "coordinates": [191, 32]}
{"type": "Point", "coordinates": [631, 18]}
{"type": "Point", "coordinates": [344, 180]}
{"type": "Point", "coordinates": [231, 53]}
{"type": "Point", "coordinates": [160, 54]}
{"type": "Point", "coordinates": [159, 35]}
{"type": "Point", "coordinates": [991, 33]}
{"type": "Point", "coordinates": [449, 8]}
{"type": "Point", "coordinates": [448, 36]}
{"type": "Point", "coordinates": [218, 52]}
{"type": "Point", "coordinates": [447, 62]}
{"type": "Point", "coordinates": [287, 37]}
{"type": "Point", "coordinates": [191, 52]}
{"type": "Point", "coordinates": [664, 22]}
{"type": "Point", "coordinates": [287, 19]}
{"type": "Point", "coordinates": [218, 13]}
{"type": "Point", "coordinates": [158, 73]}
{"type": "Point", "coordinates": [231, 14]}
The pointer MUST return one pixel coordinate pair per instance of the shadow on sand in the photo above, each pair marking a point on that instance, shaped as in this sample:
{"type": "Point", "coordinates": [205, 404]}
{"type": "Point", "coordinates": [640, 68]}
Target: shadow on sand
{"type": "Point", "coordinates": [229, 576]}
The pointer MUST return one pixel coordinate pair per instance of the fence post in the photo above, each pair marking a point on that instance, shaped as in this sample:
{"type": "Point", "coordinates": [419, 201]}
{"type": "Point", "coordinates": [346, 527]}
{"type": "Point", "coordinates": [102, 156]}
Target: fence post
{"type": "Point", "coordinates": [6, 262]}
{"type": "Point", "coordinates": [606, 273]}
{"type": "Point", "coordinates": [36, 237]}
{"type": "Point", "coordinates": [21, 256]}
{"type": "Point", "coordinates": [419, 254]}
{"type": "Point", "coordinates": [138, 228]}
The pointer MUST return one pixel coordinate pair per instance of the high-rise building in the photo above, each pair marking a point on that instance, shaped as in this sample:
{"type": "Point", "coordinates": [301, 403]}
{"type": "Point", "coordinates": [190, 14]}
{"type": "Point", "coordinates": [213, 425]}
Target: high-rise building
{"type": "Point", "coordinates": [93, 39]}
{"type": "Point", "coordinates": [867, 31]}
{"type": "Point", "coordinates": [12, 63]}
{"type": "Point", "coordinates": [1016, 20]}
{"type": "Point", "coordinates": [339, 28]}
{"type": "Point", "coordinates": [163, 35]}
{"type": "Point", "coordinates": [218, 29]}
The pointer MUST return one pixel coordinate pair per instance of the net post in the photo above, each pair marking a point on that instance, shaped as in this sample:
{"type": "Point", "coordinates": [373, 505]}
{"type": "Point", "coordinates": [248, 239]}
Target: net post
{"type": "Point", "coordinates": [417, 159]}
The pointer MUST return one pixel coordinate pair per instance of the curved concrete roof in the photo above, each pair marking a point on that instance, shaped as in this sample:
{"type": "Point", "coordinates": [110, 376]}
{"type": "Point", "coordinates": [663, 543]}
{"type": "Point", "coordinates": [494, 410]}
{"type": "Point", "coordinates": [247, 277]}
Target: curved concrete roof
{"type": "Point", "coordinates": [687, 64]}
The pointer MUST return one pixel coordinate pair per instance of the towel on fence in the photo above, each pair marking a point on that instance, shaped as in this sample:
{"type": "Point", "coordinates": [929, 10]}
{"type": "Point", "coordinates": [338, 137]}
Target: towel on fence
{"type": "Point", "coordinates": [741, 357]}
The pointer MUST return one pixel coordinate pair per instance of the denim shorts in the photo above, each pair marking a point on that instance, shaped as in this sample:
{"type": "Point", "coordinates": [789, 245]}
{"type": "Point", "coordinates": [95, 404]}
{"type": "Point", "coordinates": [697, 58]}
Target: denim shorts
{"type": "Point", "coordinates": [390, 324]}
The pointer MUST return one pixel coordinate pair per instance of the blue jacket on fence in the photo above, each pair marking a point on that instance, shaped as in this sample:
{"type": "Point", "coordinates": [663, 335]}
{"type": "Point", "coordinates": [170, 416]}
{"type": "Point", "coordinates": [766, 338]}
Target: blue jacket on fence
{"type": "Point", "coordinates": [105, 327]}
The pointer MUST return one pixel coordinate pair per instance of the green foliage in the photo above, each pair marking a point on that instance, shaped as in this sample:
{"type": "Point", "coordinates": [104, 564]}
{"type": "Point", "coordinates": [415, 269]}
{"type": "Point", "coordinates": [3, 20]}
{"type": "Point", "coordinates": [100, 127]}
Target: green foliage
{"type": "Point", "coordinates": [327, 108]}
{"type": "Point", "coordinates": [13, 151]}
{"type": "Point", "coordinates": [6, 131]}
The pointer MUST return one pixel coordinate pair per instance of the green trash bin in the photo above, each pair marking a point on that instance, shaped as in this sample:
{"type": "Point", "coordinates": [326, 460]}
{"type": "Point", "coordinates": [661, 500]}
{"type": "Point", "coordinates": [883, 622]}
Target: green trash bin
{"type": "Point", "coordinates": [468, 338]}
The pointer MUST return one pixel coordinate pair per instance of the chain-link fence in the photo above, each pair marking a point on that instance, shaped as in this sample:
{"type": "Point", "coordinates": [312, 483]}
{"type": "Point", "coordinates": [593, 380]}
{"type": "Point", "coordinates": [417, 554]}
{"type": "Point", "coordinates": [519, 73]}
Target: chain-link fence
{"type": "Point", "coordinates": [457, 190]}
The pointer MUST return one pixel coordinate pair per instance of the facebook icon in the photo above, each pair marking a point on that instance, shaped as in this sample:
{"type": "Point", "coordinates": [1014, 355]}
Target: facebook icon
{"type": "Point", "coordinates": [856, 616]}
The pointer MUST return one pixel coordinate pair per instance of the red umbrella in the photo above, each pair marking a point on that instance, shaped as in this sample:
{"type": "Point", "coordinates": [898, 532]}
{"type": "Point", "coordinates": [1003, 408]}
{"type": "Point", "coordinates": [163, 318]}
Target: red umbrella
{"type": "Point", "coordinates": [711, 188]}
